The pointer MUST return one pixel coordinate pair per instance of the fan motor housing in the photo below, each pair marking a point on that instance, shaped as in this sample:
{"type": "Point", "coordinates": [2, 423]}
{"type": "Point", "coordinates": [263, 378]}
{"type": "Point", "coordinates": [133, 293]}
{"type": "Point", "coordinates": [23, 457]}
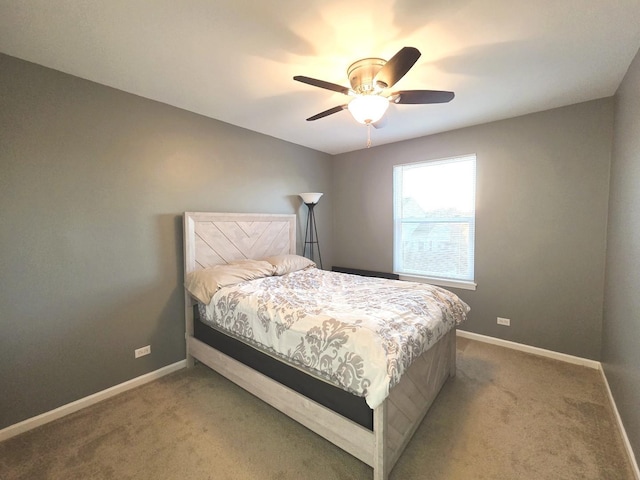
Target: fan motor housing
{"type": "Point", "coordinates": [363, 73]}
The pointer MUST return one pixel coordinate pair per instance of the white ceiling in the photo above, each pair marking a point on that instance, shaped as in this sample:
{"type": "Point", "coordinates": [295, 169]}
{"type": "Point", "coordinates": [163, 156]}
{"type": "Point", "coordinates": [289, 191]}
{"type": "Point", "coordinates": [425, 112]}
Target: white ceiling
{"type": "Point", "coordinates": [234, 60]}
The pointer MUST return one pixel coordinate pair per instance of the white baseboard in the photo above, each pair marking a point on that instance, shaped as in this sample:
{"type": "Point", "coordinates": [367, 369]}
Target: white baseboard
{"type": "Point", "coordinates": [565, 358]}
{"type": "Point", "coordinates": [585, 362]}
{"type": "Point", "coordinates": [31, 423]}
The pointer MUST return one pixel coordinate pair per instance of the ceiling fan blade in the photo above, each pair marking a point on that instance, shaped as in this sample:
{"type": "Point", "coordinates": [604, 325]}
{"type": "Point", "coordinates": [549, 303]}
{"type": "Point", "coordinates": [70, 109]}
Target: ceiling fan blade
{"type": "Point", "coordinates": [419, 97]}
{"type": "Point", "coordinates": [397, 67]}
{"type": "Point", "coordinates": [326, 113]}
{"type": "Point", "coordinates": [322, 84]}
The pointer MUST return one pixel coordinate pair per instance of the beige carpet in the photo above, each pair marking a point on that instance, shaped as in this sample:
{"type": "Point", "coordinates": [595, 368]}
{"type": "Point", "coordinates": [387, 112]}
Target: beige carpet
{"type": "Point", "coordinates": [506, 415]}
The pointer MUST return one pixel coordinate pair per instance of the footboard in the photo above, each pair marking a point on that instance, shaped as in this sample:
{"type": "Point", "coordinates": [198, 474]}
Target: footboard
{"type": "Point", "coordinates": [398, 418]}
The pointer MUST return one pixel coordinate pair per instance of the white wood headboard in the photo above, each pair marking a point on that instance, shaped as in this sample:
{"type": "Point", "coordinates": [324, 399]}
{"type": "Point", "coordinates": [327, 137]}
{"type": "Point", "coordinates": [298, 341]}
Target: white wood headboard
{"type": "Point", "coordinates": [219, 238]}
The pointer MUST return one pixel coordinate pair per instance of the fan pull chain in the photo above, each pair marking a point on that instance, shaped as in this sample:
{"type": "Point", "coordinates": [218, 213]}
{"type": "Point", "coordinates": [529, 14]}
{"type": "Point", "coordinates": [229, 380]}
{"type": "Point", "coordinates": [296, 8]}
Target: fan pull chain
{"type": "Point", "coordinates": [369, 135]}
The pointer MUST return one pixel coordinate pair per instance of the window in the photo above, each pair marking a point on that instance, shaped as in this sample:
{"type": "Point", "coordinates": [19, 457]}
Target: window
{"type": "Point", "coordinates": [434, 221]}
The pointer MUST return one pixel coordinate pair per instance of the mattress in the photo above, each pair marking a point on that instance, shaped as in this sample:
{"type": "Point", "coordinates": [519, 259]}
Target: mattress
{"type": "Point", "coordinates": [356, 333]}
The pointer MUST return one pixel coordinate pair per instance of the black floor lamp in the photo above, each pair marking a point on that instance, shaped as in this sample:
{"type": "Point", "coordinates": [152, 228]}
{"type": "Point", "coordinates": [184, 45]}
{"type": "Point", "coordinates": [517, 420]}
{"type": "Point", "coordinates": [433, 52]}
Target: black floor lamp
{"type": "Point", "coordinates": [311, 231]}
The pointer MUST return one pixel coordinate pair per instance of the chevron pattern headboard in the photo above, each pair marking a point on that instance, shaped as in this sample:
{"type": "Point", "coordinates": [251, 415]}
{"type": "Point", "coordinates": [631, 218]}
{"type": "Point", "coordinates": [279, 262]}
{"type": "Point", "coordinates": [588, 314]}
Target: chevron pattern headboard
{"type": "Point", "coordinates": [219, 238]}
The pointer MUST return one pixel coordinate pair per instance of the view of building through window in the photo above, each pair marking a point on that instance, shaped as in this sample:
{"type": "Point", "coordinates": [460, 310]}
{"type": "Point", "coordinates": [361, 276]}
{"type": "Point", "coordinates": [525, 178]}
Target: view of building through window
{"type": "Point", "coordinates": [434, 218]}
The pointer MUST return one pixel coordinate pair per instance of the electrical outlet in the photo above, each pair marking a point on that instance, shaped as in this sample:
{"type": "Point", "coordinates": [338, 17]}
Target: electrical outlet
{"type": "Point", "coordinates": [142, 351]}
{"type": "Point", "coordinates": [504, 321]}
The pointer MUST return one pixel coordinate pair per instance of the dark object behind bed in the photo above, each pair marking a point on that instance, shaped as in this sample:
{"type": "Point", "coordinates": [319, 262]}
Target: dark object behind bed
{"type": "Point", "coordinates": [350, 406]}
{"type": "Point", "coordinates": [366, 273]}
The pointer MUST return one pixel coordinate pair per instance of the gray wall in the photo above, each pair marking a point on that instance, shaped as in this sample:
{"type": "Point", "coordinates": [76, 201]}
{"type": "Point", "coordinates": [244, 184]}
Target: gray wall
{"type": "Point", "coordinates": [542, 190]}
{"type": "Point", "coordinates": [621, 326]}
{"type": "Point", "coordinates": [93, 182]}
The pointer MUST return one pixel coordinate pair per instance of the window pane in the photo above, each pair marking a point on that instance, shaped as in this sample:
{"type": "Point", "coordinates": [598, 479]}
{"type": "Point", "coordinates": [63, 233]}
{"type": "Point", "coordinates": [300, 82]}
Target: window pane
{"type": "Point", "coordinates": [442, 189]}
{"type": "Point", "coordinates": [436, 249]}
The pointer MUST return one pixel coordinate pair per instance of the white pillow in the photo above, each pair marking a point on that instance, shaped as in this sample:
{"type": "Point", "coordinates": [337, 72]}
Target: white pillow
{"type": "Point", "coordinates": [289, 263]}
{"type": "Point", "coordinates": [203, 284]}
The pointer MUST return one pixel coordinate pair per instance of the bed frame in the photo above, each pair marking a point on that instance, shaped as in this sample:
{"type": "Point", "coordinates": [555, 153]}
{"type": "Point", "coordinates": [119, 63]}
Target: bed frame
{"type": "Point", "coordinates": [219, 238]}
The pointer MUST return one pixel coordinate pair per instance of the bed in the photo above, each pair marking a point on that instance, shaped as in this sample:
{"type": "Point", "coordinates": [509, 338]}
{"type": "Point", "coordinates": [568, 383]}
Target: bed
{"type": "Point", "coordinates": [375, 435]}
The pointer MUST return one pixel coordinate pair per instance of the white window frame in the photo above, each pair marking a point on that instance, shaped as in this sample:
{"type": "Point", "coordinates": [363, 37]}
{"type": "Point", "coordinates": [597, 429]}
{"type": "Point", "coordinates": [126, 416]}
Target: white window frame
{"type": "Point", "coordinates": [404, 274]}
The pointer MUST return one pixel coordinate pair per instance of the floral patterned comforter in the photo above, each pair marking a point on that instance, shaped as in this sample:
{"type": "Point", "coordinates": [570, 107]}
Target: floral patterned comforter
{"type": "Point", "coordinates": [358, 333]}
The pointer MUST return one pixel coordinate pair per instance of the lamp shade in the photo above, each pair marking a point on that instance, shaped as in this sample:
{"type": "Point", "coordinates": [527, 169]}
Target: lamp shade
{"type": "Point", "coordinates": [310, 197]}
{"type": "Point", "coordinates": [368, 108]}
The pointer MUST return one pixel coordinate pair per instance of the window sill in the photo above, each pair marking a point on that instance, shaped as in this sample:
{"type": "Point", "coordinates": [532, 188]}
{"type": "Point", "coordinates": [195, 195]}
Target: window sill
{"type": "Point", "coordinates": [440, 282]}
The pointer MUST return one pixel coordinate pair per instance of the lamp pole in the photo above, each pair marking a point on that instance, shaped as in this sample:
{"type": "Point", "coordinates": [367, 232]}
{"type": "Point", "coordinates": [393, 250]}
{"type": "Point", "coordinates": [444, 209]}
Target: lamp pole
{"type": "Point", "coordinates": [310, 199]}
{"type": "Point", "coordinates": [311, 234]}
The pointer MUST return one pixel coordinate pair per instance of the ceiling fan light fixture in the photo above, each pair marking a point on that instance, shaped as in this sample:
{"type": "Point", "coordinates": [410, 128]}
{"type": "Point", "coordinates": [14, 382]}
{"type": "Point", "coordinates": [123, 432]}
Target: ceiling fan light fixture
{"type": "Point", "coordinates": [370, 78]}
{"type": "Point", "coordinates": [368, 108]}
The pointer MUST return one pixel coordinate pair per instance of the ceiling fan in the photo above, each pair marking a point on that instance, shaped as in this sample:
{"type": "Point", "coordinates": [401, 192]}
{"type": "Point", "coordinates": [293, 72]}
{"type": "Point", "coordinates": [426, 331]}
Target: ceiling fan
{"type": "Point", "coordinates": [371, 79]}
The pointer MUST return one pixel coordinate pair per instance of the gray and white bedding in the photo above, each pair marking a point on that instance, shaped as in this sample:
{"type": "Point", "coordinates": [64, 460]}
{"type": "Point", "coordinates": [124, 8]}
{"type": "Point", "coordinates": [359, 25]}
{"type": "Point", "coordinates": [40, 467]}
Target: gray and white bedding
{"type": "Point", "coordinates": [358, 333]}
